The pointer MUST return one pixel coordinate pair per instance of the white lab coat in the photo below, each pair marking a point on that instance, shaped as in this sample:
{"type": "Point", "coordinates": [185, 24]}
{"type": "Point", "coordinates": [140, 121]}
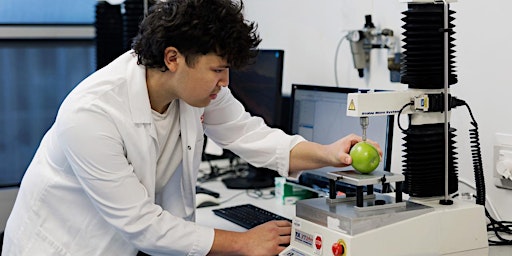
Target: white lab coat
{"type": "Point", "coordinates": [90, 189]}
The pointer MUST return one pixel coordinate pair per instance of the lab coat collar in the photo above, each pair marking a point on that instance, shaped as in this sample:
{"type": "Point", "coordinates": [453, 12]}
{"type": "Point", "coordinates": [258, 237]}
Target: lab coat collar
{"type": "Point", "coordinates": [138, 97]}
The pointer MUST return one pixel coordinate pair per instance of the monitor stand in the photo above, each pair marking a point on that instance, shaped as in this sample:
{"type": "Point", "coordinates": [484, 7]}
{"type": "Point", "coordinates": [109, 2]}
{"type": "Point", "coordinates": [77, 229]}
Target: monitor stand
{"type": "Point", "coordinates": [257, 178]}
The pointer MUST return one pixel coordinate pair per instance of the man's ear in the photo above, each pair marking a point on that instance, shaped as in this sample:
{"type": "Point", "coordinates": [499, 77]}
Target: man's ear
{"type": "Point", "coordinates": [171, 58]}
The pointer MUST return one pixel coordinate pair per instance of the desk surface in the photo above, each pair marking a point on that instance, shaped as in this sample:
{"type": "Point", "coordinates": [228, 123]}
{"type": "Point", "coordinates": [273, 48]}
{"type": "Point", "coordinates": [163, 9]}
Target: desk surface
{"type": "Point", "coordinates": [230, 197]}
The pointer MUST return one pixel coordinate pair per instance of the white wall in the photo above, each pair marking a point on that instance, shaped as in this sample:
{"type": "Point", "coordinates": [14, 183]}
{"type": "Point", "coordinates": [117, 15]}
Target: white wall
{"type": "Point", "coordinates": [309, 30]}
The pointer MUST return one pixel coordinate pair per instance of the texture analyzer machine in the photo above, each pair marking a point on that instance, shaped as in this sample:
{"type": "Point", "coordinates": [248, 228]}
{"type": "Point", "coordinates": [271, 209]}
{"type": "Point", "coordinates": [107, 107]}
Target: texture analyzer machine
{"type": "Point", "coordinates": [384, 224]}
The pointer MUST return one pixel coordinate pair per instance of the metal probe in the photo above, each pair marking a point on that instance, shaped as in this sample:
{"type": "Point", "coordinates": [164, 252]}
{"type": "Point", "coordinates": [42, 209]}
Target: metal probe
{"type": "Point", "coordinates": [364, 124]}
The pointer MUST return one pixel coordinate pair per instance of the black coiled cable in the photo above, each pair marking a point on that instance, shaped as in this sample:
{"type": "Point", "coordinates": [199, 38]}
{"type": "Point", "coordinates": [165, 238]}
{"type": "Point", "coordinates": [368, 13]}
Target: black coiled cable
{"type": "Point", "coordinates": [477, 163]}
{"type": "Point", "coordinates": [475, 153]}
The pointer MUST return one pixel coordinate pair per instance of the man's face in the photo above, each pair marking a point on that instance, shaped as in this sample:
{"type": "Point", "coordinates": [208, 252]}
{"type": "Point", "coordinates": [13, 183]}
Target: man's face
{"type": "Point", "coordinates": [199, 84]}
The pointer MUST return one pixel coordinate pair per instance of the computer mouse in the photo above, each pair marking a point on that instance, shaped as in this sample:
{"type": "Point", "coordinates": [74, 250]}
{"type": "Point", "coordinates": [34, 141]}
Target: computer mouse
{"type": "Point", "coordinates": [205, 200]}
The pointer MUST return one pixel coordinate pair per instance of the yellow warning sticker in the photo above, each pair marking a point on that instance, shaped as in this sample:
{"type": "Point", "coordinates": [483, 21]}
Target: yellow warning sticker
{"type": "Point", "coordinates": [352, 106]}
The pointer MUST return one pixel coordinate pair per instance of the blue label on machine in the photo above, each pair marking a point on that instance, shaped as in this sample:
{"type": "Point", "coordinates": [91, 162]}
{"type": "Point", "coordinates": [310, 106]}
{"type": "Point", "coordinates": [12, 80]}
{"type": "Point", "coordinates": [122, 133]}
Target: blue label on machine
{"type": "Point", "coordinates": [304, 238]}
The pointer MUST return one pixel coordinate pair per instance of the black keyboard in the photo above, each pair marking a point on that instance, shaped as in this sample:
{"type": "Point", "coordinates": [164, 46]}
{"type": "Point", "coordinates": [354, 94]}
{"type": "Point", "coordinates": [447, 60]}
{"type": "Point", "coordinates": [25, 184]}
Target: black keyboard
{"type": "Point", "coordinates": [247, 215]}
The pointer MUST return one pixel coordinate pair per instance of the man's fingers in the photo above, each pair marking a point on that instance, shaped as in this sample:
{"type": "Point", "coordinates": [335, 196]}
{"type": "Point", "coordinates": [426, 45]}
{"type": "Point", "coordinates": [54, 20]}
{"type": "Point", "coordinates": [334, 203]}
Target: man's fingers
{"type": "Point", "coordinates": [283, 223]}
{"type": "Point", "coordinates": [284, 240]}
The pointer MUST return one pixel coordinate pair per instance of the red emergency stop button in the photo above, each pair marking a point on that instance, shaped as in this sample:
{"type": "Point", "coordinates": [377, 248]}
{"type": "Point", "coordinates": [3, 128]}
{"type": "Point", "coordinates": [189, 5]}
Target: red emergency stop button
{"type": "Point", "coordinates": [318, 242]}
{"type": "Point", "coordinates": [338, 248]}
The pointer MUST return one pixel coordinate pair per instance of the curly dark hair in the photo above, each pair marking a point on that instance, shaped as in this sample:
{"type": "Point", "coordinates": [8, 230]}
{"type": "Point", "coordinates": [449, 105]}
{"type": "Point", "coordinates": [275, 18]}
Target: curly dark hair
{"type": "Point", "coordinates": [196, 27]}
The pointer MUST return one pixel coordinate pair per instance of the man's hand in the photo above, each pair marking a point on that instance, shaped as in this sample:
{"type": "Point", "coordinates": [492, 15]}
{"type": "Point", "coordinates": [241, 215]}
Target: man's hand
{"type": "Point", "coordinates": [309, 155]}
{"type": "Point", "coordinates": [340, 149]}
{"type": "Point", "coordinates": [269, 238]}
{"type": "Point", "coordinates": [266, 239]}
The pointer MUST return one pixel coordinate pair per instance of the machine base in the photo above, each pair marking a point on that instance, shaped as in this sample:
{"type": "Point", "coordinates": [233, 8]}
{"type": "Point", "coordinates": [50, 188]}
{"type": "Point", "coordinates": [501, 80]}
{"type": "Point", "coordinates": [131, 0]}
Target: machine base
{"type": "Point", "coordinates": [458, 229]}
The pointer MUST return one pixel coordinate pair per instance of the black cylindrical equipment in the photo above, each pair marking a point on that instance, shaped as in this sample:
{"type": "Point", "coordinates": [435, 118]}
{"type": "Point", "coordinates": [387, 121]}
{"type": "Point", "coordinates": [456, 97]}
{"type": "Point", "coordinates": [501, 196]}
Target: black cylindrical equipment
{"type": "Point", "coordinates": [423, 67]}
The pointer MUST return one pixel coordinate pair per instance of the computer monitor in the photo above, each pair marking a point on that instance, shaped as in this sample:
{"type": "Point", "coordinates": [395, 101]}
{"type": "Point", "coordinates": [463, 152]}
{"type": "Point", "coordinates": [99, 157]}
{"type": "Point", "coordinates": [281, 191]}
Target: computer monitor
{"type": "Point", "coordinates": [259, 88]}
{"type": "Point", "coordinates": [319, 115]}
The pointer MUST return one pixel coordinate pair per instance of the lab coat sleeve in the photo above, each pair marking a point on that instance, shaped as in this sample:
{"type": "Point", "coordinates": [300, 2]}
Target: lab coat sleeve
{"type": "Point", "coordinates": [231, 127]}
{"type": "Point", "coordinates": [94, 149]}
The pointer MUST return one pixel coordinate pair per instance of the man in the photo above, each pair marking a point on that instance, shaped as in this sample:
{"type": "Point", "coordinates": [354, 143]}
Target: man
{"type": "Point", "coordinates": [116, 172]}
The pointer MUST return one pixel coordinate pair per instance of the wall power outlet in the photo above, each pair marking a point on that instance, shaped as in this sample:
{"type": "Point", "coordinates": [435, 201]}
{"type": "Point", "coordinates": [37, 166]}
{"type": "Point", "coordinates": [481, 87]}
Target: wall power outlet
{"type": "Point", "coordinates": [503, 160]}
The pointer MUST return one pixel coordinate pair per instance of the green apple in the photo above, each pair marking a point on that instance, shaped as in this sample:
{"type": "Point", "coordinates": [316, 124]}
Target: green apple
{"type": "Point", "coordinates": [365, 157]}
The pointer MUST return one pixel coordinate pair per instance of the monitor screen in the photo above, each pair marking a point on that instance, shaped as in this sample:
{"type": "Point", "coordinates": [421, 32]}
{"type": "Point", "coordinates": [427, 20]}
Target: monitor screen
{"type": "Point", "coordinates": [319, 115]}
{"type": "Point", "coordinates": [258, 86]}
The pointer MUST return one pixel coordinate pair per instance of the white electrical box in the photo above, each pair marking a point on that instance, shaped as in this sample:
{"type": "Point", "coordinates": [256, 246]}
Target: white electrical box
{"type": "Point", "coordinates": [502, 163]}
